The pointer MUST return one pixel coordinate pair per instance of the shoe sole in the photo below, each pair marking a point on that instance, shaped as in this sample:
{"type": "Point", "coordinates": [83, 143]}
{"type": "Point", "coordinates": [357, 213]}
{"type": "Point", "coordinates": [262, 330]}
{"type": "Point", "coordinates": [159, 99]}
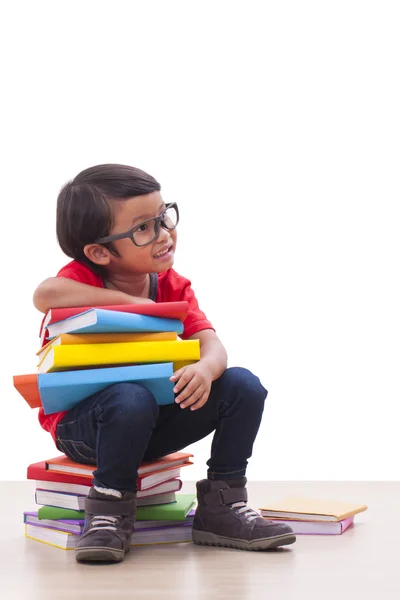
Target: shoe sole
{"type": "Point", "coordinates": [99, 554]}
{"type": "Point", "coordinates": [204, 538]}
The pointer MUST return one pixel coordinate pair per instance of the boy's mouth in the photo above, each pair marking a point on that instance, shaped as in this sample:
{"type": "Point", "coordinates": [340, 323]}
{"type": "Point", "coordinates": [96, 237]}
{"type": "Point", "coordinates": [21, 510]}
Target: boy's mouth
{"type": "Point", "coordinates": [163, 252]}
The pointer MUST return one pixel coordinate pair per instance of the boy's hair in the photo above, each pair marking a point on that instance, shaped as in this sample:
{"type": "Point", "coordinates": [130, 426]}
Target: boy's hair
{"type": "Point", "coordinates": [84, 206]}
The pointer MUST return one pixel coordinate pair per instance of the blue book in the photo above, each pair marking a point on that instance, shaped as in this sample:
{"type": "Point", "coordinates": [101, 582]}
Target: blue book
{"type": "Point", "coordinates": [63, 390]}
{"type": "Point", "coordinates": [98, 320]}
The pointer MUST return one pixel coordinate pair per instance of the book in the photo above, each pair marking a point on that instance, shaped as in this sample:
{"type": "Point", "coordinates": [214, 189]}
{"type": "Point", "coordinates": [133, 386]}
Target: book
{"type": "Point", "coordinates": [39, 471]}
{"type": "Point", "coordinates": [177, 511]}
{"type": "Point", "coordinates": [311, 509]}
{"type": "Point", "coordinates": [63, 358]}
{"type": "Point", "coordinates": [28, 387]}
{"type": "Point", "coordinates": [98, 320]}
{"type": "Point", "coordinates": [68, 525]}
{"type": "Point", "coordinates": [169, 310]}
{"type": "Point", "coordinates": [57, 513]}
{"type": "Point", "coordinates": [64, 339]}
{"type": "Point", "coordinates": [63, 390]}
{"type": "Point", "coordinates": [317, 527]}
{"type": "Point", "coordinates": [62, 464]}
{"type": "Point", "coordinates": [77, 525]}
{"type": "Point", "coordinates": [170, 485]}
{"type": "Point", "coordinates": [77, 501]}
{"type": "Point", "coordinates": [67, 541]}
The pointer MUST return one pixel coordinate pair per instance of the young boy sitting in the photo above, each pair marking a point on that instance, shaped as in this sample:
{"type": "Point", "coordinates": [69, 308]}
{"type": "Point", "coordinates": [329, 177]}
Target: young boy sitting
{"type": "Point", "coordinates": [121, 236]}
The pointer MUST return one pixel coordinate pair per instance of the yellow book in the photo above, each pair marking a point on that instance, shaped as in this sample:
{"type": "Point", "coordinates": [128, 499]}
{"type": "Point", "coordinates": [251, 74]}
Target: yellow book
{"type": "Point", "coordinates": [310, 509]}
{"type": "Point", "coordinates": [64, 358]}
{"type": "Point", "coordinates": [64, 339]}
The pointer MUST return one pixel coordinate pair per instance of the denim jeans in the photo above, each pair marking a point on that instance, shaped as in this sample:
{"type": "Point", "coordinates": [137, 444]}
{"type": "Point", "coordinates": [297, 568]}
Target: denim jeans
{"type": "Point", "coordinates": [121, 426]}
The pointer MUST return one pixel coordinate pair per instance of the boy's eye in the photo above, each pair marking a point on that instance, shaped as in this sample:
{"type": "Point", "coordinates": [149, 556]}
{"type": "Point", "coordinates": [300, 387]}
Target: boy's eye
{"type": "Point", "coordinates": [142, 228]}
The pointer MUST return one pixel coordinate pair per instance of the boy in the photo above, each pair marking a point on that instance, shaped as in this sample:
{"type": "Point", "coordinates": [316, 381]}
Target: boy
{"type": "Point", "coordinates": [113, 223]}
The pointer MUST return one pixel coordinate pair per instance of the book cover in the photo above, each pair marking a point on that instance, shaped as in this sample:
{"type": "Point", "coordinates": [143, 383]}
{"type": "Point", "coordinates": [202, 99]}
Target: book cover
{"type": "Point", "coordinates": [317, 528]}
{"type": "Point", "coordinates": [39, 471]}
{"type": "Point", "coordinates": [299, 508]}
{"type": "Point", "coordinates": [98, 320]}
{"type": "Point", "coordinates": [52, 537]}
{"type": "Point", "coordinates": [169, 485]}
{"type": "Point", "coordinates": [177, 511]}
{"type": "Point", "coordinates": [68, 525]}
{"type": "Point", "coordinates": [62, 464]}
{"type": "Point", "coordinates": [105, 338]}
{"type": "Point", "coordinates": [77, 502]}
{"type": "Point", "coordinates": [168, 310]}
{"type": "Point", "coordinates": [63, 390]}
{"type": "Point", "coordinates": [28, 387]}
{"type": "Point", "coordinates": [67, 541]}
{"type": "Point", "coordinates": [54, 513]}
{"type": "Point", "coordinates": [63, 358]}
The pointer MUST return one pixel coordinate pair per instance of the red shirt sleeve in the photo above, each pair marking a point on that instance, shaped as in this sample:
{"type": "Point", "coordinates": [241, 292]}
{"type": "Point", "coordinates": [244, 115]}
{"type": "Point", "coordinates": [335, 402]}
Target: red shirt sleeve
{"type": "Point", "coordinates": [80, 272]}
{"type": "Point", "coordinates": [172, 287]}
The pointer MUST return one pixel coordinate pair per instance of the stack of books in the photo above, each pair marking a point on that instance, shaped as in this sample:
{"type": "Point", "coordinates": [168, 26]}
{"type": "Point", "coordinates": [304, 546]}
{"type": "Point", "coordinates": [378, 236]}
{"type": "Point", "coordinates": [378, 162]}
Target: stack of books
{"type": "Point", "coordinates": [163, 515]}
{"type": "Point", "coordinates": [313, 516]}
{"type": "Point", "coordinates": [85, 350]}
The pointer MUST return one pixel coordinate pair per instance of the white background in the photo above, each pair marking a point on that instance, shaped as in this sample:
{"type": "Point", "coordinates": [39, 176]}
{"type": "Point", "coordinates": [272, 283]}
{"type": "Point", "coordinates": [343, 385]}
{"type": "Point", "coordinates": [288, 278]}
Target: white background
{"type": "Point", "coordinates": [275, 126]}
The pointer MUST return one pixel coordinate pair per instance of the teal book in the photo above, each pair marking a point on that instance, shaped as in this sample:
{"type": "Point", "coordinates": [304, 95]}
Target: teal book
{"type": "Point", "coordinates": [64, 389]}
{"type": "Point", "coordinates": [175, 511]}
{"type": "Point", "coordinates": [97, 320]}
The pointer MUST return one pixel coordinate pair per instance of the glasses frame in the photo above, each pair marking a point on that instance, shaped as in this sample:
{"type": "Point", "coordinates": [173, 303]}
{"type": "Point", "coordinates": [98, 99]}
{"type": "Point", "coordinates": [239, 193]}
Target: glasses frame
{"type": "Point", "coordinates": [129, 234]}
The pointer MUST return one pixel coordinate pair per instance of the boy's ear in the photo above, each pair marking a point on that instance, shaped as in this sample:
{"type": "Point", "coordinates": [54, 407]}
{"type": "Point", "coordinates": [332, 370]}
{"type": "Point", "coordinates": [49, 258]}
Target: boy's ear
{"type": "Point", "coordinates": [97, 254]}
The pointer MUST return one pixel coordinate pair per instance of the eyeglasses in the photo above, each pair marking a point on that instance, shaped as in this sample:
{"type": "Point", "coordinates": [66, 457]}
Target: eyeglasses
{"type": "Point", "coordinates": [147, 231]}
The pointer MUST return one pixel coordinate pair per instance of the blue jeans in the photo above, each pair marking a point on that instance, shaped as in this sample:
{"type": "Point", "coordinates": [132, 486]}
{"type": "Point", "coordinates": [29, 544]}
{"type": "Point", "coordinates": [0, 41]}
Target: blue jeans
{"type": "Point", "coordinates": [121, 426]}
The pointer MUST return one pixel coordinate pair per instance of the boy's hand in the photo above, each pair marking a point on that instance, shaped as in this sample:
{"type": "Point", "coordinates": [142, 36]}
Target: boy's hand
{"type": "Point", "coordinates": [194, 384]}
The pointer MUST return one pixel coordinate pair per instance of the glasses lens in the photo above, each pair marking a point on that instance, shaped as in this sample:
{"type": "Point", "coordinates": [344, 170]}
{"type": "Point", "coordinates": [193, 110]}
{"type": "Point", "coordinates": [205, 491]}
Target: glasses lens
{"type": "Point", "coordinates": [170, 219]}
{"type": "Point", "coordinates": [145, 233]}
{"type": "Point", "coordinates": [148, 231]}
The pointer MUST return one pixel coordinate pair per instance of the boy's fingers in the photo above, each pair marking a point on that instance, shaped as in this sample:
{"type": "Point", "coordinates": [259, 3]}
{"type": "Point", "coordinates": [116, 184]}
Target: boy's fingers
{"type": "Point", "coordinates": [188, 391]}
{"type": "Point", "coordinates": [177, 374]}
{"type": "Point", "coordinates": [200, 402]}
{"type": "Point", "coordinates": [190, 398]}
{"type": "Point", "coordinates": [183, 380]}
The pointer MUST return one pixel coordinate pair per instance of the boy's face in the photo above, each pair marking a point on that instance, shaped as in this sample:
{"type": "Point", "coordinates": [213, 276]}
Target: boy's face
{"type": "Point", "coordinates": [155, 257]}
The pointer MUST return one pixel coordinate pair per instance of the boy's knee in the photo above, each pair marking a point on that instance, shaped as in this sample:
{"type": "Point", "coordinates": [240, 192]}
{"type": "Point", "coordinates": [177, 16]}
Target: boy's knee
{"type": "Point", "coordinates": [127, 401]}
{"type": "Point", "coordinates": [245, 382]}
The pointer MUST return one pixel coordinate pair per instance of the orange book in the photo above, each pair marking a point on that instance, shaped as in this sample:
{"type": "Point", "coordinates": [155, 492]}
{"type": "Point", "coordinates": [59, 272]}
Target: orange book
{"type": "Point", "coordinates": [27, 386]}
{"type": "Point", "coordinates": [62, 464]}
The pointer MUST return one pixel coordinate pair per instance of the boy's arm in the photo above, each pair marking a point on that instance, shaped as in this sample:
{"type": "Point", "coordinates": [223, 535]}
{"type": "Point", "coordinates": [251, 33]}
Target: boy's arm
{"type": "Point", "coordinates": [212, 352]}
{"type": "Point", "coordinates": [56, 292]}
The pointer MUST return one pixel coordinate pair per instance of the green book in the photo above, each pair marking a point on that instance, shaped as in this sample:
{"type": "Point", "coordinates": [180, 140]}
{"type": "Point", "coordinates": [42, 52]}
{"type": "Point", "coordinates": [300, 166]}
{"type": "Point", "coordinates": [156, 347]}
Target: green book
{"type": "Point", "coordinates": [174, 511]}
{"type": "Point", "coordinates": [53, 513]}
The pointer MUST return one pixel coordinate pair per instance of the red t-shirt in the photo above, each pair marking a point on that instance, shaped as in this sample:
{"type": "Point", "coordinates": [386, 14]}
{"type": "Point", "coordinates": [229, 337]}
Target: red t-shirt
{"type": "Point", "coordinates": [171, 288]}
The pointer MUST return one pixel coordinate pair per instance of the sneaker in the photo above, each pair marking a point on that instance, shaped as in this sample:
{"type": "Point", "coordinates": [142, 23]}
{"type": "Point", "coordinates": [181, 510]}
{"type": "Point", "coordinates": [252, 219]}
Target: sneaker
{"type": "Point", "coordinates": [109, 526]}
{"type": "Point", "coordinates": [223, 518]}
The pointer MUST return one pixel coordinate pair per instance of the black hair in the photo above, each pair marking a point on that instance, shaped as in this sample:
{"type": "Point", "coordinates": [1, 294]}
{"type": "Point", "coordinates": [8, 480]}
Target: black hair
{"type": "Point", "coordinates": [84, 206]}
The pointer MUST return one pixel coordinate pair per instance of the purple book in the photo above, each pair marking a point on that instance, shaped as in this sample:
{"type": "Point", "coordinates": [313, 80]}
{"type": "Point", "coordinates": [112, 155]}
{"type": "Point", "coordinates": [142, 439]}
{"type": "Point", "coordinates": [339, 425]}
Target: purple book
{"type": "Point", "coordinates": [76, 525]}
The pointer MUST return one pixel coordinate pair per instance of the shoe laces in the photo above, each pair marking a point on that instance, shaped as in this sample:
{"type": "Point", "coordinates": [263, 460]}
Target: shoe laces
{"type": "Point", "coordinates": [242, 509]}
{"type": "Point", "coordinates": [104, 522]}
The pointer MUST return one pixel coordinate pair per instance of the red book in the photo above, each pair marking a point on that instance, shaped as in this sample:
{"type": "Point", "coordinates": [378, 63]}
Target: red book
{"type": "Point", "coordinates": [168, 310]}
{"type": "Point", "coordinates": [63, 470]}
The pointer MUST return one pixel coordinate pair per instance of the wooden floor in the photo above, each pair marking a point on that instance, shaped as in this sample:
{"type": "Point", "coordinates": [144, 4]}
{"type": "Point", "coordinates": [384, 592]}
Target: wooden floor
{"type": "Point", "coordinates": [363, 563]}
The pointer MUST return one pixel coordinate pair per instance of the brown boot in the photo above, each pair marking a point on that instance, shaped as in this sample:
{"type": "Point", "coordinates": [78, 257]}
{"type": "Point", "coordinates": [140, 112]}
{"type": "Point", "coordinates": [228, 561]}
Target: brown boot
{"type": "Point", "coordinates": [108, 527]}
{"type": "Point", "coordinates": [223, 519]}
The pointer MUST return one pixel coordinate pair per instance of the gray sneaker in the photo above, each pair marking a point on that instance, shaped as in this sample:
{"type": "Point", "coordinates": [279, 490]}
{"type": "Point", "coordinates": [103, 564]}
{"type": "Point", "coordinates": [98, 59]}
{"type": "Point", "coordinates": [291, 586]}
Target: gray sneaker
{"type": "Point", "coordinates": [223, 518]}
{"type": "Point", "coordinates": [109, 526]}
